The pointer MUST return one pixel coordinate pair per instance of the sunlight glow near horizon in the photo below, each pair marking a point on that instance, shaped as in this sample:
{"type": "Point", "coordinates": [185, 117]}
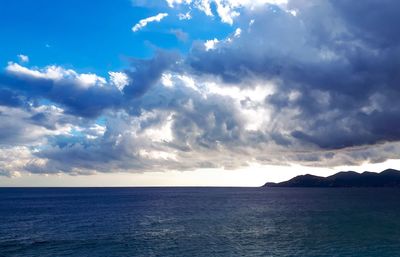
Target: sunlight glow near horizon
{"type": "Point", "coordinates": [251, 176]}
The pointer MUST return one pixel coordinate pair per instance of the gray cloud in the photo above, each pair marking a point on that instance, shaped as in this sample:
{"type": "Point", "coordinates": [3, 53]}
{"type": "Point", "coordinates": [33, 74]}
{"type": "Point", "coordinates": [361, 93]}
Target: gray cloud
{"type": "Point", "coordinates": [146, 73]}
{"type": "Point", "coordinates": [78, 100]}
{"type": "Point", "coordinates": [180, 34]}
{"type": "Point", "coordinates": [345, 68]}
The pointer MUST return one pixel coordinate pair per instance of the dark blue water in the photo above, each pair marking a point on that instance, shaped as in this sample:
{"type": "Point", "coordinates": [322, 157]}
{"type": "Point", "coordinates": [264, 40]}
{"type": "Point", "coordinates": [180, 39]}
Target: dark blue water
{"type": "Point", "coordinates": [199, 222]}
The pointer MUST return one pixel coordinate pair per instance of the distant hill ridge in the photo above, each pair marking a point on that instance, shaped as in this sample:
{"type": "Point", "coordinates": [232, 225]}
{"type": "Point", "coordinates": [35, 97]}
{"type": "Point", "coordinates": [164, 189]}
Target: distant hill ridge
{"type": "Point", "coordinates": [387, 178]}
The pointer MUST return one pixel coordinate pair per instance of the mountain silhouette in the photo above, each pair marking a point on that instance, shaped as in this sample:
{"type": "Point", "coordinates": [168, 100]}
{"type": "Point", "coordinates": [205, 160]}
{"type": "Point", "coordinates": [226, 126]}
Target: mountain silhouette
{"type": "Point", "coordinates": [387, 178]}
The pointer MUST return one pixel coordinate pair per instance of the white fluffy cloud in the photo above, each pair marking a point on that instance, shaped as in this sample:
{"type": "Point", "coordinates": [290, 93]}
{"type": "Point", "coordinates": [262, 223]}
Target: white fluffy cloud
{"type": "Point", "coordinates": [185, 16]}
{"type": "Point", "coordinates": [210, 44]}
{"type": "Point", "coordinates": [23, 58]}
{"type": "Point", "coordinates": [143, 23]}
{"type": "Point", "coordinates": [119, 79]}
{"type": "Point", "coordinates": [56, 73]}
{"type": "Point", "coordinates": [172, 3]}
{"type": "Point", "coordinates": [227, 10]}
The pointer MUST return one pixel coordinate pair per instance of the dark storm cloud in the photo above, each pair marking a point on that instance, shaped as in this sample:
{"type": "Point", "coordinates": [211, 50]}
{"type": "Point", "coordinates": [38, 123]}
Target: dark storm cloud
{"type": "Point", "coordinates": [342, 57]}
{"type": "Point", "coordinates": [375, 22]}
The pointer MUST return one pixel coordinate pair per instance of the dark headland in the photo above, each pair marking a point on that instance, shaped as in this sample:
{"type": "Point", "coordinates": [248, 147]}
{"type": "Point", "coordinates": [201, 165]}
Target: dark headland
{"type": "Point", "coordinates": [387, 178]}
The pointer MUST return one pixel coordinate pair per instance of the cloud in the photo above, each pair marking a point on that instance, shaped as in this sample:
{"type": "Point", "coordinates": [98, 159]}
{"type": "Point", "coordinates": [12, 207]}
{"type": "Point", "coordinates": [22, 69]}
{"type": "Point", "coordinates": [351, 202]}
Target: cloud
{"type": "Point", "coordinates": [143, 23]}
{"type": "Point", "coordinates": [23, 58]}
{"type": "Point", "coordinates": [10, 98]}
{"type": "Point", "coordinates": [317, 88]}
{"type": "Point", "coordinates": [345, 81]}
{"type": "Point", "coordinates": [185, 16]}
{"type": "Point", "coordinates": [172, 3]}
{"type": "Point", "coordinates": [227, 10]}
{"type": "Point", "coordinates": [83, 94]}
{"type": "Point", "coordinates": [145, 73]}
{"type": "Point", "coordinates": [210, 44]}
{"type": "Point", "coordinates": [178, 128]}
{"type": "Point", "coordinates": [31, 125]}
{"type": "Point", "coordinates": [119, 79]}
{"type": "Point", "coordinates": [13, 161]}
{"type": "Point", "coordinates": [55, 73]}
{"type": "Point", "coordinates": [180, 34]}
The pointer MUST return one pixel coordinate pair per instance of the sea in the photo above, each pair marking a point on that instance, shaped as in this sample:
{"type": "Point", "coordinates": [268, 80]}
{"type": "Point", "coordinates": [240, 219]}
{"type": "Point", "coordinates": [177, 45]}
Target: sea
{"type": "Point", "coordinates": [199, 222]}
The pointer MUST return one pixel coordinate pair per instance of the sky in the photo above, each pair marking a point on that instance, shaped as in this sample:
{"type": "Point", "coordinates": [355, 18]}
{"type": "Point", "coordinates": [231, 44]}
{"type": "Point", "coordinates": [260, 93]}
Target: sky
{"type": "Point", "coordinates": [196, 92]}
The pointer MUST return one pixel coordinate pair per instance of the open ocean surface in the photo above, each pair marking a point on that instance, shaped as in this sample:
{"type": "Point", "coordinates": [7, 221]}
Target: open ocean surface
{"type": "Point", "coordinates": [200, 222]}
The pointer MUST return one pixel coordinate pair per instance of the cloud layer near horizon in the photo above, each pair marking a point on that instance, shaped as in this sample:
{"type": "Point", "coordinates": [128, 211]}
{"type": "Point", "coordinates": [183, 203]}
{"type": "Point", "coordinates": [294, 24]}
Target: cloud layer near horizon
{"type": "Point", "coordinates": [308, 82]}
